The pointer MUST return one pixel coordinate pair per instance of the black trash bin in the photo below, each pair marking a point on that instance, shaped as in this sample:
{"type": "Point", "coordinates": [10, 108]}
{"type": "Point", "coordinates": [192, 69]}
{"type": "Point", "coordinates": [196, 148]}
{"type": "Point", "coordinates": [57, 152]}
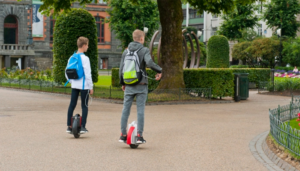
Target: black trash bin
{"type": "Point", "coordinates": [241, 86]}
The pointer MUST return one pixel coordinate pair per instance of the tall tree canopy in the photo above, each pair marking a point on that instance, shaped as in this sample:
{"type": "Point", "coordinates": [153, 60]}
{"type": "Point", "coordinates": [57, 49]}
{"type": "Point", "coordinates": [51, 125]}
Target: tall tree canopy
{"type": "Point", "coordinates": [282, 14]}
{"type": "Point", "coordinates": [235, 22]}
{"type": "Point", "coordinates": [171, 18]}
{"type": "Point", "coordinates": [125, 17]}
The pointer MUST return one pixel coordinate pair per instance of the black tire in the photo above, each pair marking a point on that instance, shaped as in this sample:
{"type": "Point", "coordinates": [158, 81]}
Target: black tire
{"type": "Point", "coordinates": [76, 127]}
{"type": "Point", "coordinates": [133, 146]}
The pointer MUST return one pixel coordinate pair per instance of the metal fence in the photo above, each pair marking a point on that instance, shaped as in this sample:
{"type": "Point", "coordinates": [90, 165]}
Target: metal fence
{"type": "Point", "coordinates": [283, 133]}
{"type": "Point", "coordinates": [109, 92]}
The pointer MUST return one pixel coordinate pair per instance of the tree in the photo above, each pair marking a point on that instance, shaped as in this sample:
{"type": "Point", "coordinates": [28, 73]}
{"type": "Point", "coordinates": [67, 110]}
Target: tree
{"type": "Point", "coordinates": [68, 27]}
{"type": "Point", "coordinates": [235, 22]}
{"type": "Point", "coordinates": [171, 18]}
{"type": "Point", "coordinates": [248, 35]}
{"type": "Point", "coordinates": [266, 49]}
{"type": "Point", "coordinates": [283, 14]}
{"type": "Point", "coordinates": [240, 51]}
{"type": "Point", "coordinates": [291, 51]}
{"type": "Point", "coordinates": [125, 17]}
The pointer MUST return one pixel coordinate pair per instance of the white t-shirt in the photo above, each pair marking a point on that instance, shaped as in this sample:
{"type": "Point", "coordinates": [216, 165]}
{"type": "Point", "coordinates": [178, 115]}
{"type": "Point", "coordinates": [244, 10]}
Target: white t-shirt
{"type": "Point", "coordinates": [88, 84]}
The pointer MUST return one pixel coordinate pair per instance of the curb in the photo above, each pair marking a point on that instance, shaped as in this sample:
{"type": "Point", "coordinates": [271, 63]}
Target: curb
{"type": "Point", "coordinates": [264, 155]}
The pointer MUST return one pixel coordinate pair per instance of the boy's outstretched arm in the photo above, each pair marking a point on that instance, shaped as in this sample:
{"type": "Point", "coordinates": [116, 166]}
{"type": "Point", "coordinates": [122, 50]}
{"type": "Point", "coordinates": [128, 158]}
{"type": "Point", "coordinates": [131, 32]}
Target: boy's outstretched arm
{"type": "Point", "coordinates": [151, 64]}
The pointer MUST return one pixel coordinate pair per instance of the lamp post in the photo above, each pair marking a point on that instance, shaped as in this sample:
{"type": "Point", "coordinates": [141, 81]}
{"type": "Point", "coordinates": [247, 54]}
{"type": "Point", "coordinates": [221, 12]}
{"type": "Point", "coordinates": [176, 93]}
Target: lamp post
{"type": "Point", "coordinates": [29, 38]}
{"type": "Point", "coordinates": [273, 79]}
{"type": "Point", "coordinates": [279, 35]}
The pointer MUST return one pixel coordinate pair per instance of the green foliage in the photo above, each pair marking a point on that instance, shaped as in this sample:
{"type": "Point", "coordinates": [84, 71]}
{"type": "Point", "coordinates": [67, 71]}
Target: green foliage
{"type": "Point", "coordinates": [284, 68]}
{"type": "Point", "coordinates": [55, 7]}
{"type": "Point", "coordinates": [283, 14]}
{"type": "Point", "coordinates": [235, 22]}
{"type": "Point", "coordinates": [284, 84]}
{"type": "Point", "coordinates": [266, 49]}
{"type": "Point", "coordinates": [239, 66]}
{"type": "Point", "coordinates": [68, 27]}
{"type": "Point", "coordinates": [240, 52]}
{"type": "Point", "coordinates": [218, 52]}
{"type": "Point", "coordinates": [28, 74]}
{"type": "Point", "coordinates": [255, 74]}
{"type": "Point", "coordinates": [248, 35]}
{"type": "Point", "coordinates": [126, 16]}
{"type": "Point", "coordinates": [220, 80]}
{"type": "Point", "coordinates": [291, 51]}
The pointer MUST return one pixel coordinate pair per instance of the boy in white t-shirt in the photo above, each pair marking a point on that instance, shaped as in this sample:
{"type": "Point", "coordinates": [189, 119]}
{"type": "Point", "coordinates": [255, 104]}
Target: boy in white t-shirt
{"type": "Point", "coordinates": [76, 85]}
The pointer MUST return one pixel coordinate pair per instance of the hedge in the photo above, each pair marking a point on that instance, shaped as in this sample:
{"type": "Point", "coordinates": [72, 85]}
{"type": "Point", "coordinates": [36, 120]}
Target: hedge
{"type": "Point", "coordinates": [220, 80]}
{"type": "Point", "coordinates": [285, 68]}
{"type": "Point", "coordinates": [68, 27]}
{"type": "Point", "coordinates": [218, 52]}
{"type": "Point", "coordinates": [255, 74]}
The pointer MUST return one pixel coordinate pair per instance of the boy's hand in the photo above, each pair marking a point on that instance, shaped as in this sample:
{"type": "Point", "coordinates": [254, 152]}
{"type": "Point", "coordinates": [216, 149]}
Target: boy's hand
{"type": "Point", "coordinates": [91, 92]}
{"type": "Point", "coordinates": [123, 87]}
{"type": "Point", "coordinates": [158, 76]}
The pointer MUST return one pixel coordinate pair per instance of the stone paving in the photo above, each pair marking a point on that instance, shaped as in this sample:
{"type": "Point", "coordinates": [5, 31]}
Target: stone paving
{"type": "Point", "coordinates": [205, 137]}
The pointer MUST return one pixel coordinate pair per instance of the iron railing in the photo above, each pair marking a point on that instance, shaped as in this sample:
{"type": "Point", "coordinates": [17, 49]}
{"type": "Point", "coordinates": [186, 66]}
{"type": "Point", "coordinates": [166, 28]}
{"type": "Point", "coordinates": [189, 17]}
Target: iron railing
{"type": "Point", "coordinates": [109, 92]}
{"type": "Point", "coordinates": [283, 133]}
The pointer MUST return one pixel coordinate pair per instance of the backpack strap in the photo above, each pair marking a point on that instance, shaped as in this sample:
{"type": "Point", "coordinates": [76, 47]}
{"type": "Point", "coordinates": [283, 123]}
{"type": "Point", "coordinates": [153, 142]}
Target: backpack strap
{"type": "Point", "coordinates": [67, 82]}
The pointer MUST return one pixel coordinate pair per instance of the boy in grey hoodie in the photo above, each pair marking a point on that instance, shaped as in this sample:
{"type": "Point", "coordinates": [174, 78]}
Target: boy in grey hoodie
{"type": "Point", "coordinates": [140, 91]}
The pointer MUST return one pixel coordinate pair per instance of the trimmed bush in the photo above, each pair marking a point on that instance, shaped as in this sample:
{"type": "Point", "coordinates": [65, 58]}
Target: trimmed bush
{"type": "Point", "coordinates": [220, 80]}
{"type": "Point", "coordinates": [255, 74]}
{"type": "Point", "coordinates": [218, 52]}
{"type": "Point", "coordinates": [285, 68]}
{"type": "Point", "coordinates": [239, 66]}
{"type": "Point", "coordinates": [68, 27]}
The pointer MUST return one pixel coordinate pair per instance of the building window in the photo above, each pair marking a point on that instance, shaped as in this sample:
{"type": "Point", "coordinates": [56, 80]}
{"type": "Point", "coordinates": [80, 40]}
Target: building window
{"type": "Point", "coordinates": [214, 31]}
{"type": "Point", "coordinates": [259, 29]}
{"type": "Point", "coordinates": [214, 16]}
{"type": "Point", "coordinates": [100, 29]}
{"type": "Point", "coordinates": [52, 24]}
{"type": "Point", "coordinates": [194, 14]}
{"type": "Point", "coordinates": [184, 14]}
{"type": "Point", "coordinates": [10, 30]}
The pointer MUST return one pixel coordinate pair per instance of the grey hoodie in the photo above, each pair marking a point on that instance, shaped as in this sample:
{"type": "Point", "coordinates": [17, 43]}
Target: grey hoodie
{"type": "Point", "coordinates": [144, 58]}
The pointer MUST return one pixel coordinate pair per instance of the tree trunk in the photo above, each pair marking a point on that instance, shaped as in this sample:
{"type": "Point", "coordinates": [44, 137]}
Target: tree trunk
{"type": "Point", "coordinates": [170, 12]}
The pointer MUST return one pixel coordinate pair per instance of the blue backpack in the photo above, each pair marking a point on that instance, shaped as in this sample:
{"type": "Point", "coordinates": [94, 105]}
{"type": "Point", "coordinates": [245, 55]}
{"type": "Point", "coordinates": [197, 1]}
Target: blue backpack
{"type": "Point", "coordinates": [75, 69]}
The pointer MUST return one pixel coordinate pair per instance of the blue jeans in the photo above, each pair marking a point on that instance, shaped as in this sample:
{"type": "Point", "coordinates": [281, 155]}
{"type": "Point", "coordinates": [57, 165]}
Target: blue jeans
{"type": "Point", "coordinates": [140, 92]}
{"type": "Point", "coordinates": [84, 101]}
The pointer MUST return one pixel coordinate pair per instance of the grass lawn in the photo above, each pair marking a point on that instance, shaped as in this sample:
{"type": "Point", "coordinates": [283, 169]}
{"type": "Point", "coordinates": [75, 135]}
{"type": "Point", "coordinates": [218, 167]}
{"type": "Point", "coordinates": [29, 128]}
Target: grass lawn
{"type": "Point", "coordinates": [284, 78]}
{"type": "Point", "coordinates": [103, 80]}
{"type": "Point", "coordinates": [295, 124]}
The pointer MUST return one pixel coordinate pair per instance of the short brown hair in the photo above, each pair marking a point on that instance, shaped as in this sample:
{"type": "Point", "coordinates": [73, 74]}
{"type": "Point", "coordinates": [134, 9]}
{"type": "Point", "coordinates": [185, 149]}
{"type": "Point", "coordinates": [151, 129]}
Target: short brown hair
{"type": "Point", "coordinates": [82, 41]}
{"type": "Point", "coordinates": [137, 35]}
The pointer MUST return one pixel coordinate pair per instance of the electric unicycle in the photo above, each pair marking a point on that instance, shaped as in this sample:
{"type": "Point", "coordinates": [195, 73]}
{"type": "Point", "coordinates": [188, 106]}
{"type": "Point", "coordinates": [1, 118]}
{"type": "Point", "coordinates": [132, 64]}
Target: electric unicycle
{"type": "Point", "coordinates": [132, 135]}
{"type": "Point", "coordinates": [76, 125]}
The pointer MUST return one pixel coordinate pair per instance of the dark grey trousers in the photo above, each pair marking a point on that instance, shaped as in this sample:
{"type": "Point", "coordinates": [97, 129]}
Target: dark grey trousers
{"type": "Point", "coordinates": [140, 92]}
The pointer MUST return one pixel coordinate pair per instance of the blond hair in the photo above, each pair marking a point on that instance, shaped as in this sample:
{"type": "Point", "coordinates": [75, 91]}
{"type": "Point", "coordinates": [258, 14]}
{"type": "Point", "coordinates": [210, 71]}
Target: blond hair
{"type": "Point", "coordinates": [137, 35]}
{"type": "Point", "coordinates": [82, 41]}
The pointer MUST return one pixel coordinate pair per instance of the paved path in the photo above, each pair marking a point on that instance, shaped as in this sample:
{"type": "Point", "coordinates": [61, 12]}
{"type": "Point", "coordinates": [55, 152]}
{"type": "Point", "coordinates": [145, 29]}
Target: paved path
{"type": "Point", "coordinates": [205, 137]}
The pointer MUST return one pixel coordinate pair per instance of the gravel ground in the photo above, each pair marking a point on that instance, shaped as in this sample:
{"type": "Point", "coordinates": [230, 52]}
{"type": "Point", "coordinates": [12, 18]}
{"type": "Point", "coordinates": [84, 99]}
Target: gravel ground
{"type": "Point", "coordinates": [205, 137]}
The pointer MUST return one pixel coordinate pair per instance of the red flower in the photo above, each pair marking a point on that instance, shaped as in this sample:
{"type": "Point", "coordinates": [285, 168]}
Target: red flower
{"type": "Point", "coordinates": [298, 119]}
{"type": "Point", "coordinates": [298, 114]}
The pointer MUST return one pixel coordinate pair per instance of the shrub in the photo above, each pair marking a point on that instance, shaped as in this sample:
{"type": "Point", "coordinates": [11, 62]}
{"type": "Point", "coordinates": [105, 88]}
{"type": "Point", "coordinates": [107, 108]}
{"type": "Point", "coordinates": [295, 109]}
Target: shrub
{"type": "Point", "coordinates": [239, 66]}
{"type": "Point", "coordinates": [285, 68]}
{"type": "Point", "coordinates": [220, 80]}
{"type": "Point", "coordinates": [68, 27]}
{"type": "Point", "coordinates": [218, 52]}
{"type": "Point", "coordinates": [255, 74]}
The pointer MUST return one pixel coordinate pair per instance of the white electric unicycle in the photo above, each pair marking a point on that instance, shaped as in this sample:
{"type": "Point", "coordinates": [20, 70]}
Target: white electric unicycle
{"type": "Point", "coordinates": [132, 135]}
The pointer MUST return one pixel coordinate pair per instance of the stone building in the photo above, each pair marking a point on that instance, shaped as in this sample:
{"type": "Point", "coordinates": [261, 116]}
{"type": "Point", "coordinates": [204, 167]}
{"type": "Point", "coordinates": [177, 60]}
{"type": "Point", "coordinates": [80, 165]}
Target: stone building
{"type": "Point", "coordinates": [16, 49]}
